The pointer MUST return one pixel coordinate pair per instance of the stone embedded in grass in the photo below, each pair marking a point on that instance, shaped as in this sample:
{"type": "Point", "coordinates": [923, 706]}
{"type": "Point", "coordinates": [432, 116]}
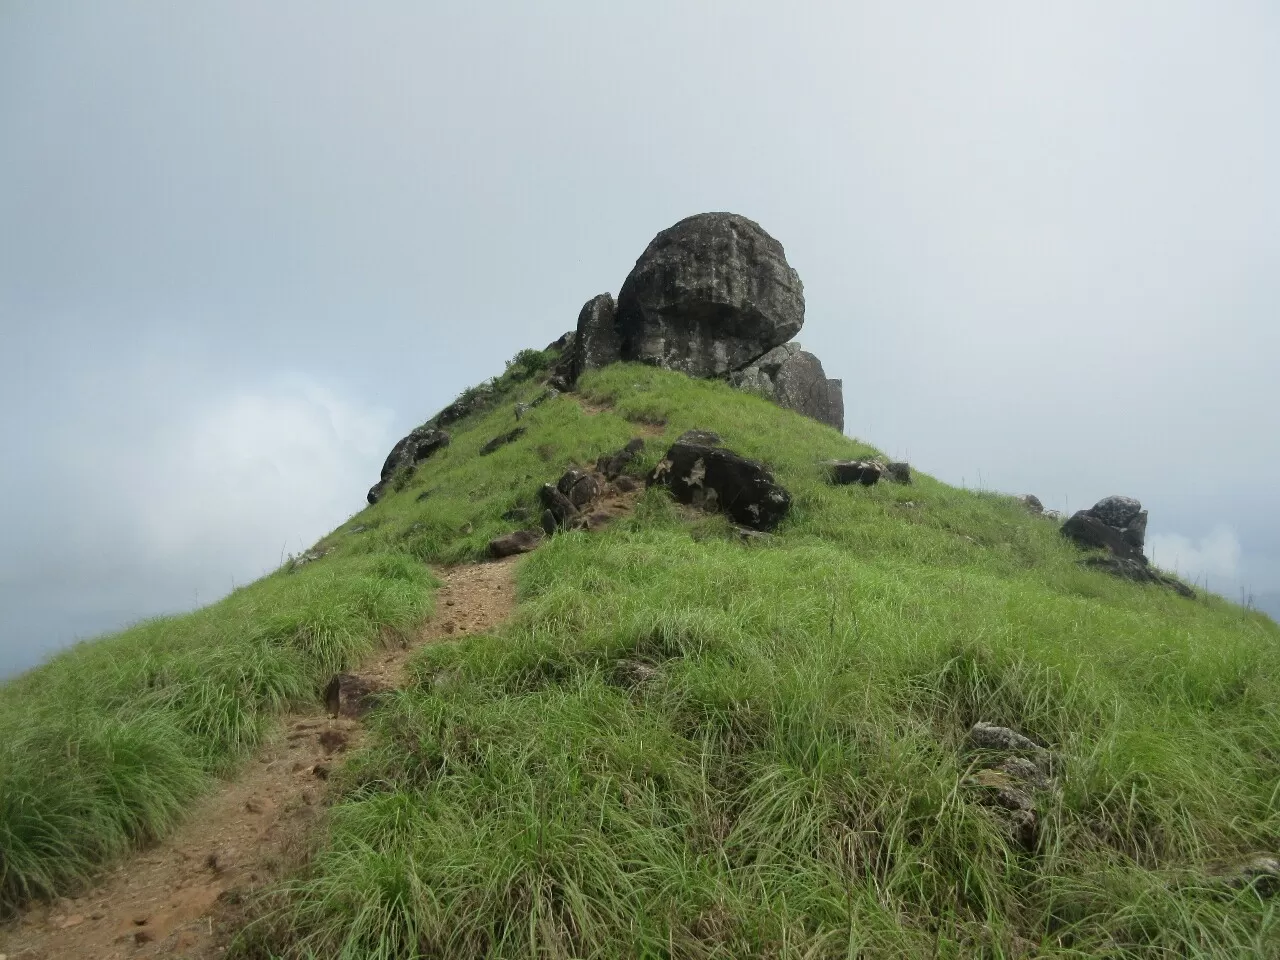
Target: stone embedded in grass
{"type": "Point", "coordinates": [846, 472]}
{"type": "Point", "coordinates": [1118, 525]}
{"type": "Point", "coordinates": [1127, 569]}
{"type": "Point", "coordinates": [1262, 873]}
{"type": "Point", "coordinates": [988, 736]}
{"type": "Point", "coordinates": [502, 440]}
{"type": "Point", "coordinates": [793, 378]}
{"type": "Point", "coordinates": [708, 438]}
{"type": "Point", "coordinates": [718, 479]}
{"type": "Point", "coordinates": [511, 544]}
{"type": "Point", "coordinates": [899, 471]}
{"type": "Point", "coordinates": [612, 465]}
{"type": "Point", "coordinates": [556, 505]}
{"type": "Point", "coordinates": [348, 695]}
{"type": "Point", "coordinates": [578, 486]}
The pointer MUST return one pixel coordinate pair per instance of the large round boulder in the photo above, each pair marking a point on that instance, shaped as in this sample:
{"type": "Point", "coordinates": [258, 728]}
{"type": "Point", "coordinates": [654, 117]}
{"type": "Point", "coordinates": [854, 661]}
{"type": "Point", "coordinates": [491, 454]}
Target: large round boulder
{"type": "Point", "coordinates": [708, 296]}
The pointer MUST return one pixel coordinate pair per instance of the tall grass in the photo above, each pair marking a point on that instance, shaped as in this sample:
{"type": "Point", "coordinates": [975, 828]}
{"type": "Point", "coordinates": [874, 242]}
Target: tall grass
{"type": "Point", "coordinates": [104, 746]}
{"type": "Point", "coordinates": [689, 746]}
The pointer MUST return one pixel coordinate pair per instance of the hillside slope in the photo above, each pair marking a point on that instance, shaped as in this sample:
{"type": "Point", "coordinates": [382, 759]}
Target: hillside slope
{"type": "Point", "coordinates": [687, 744]}
{"type": "Point", "coordinates": [690, 745]}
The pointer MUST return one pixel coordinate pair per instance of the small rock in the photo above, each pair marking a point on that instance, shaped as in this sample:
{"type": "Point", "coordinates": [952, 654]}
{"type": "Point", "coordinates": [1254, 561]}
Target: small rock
{"type": "Point", "coordinates": [614, 464]}
{"type": "Point", "coordinates": [510, 544]}
{"type": "Point", "coordinates": [320, 771]}
{"type": "Point", "coordinates": [986, 736]}
{"type": "Point", "coordinates": [626, 485]}
{"type": "Point", "coordinates": [898, 471]}
{"type": "Point", "coordinates": [141, 921]}
{"type": "Point", "coordinates": [502, 440]}
{"type": "Point", "coordinates": [845, 472]}
{"type": "Point", "coordinates": [521, 410]}
{"type": "Point", "coordinates": [578, 486]}
{"type": "Point", "coordinates": [1032, 503]}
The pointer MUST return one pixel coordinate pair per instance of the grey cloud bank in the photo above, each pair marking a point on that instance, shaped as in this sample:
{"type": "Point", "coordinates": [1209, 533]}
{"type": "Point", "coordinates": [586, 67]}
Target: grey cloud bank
{"type": "Point", "coordinates": [247, 246]}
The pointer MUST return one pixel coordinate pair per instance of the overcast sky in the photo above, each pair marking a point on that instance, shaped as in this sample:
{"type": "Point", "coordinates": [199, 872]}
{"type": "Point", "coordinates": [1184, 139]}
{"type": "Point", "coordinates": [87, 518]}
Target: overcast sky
{"type": "Point", "coordinates": [245, 246]}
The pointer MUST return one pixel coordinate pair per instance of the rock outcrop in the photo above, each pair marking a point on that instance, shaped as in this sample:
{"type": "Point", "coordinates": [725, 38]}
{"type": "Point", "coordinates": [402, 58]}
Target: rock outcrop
{"type": "Point", "coordinates": [1118, 525]}
{"type": "Point", "coordinates": [596, 342]}
{"type": "Point", "coordinates": [510, 544]}
{"type": "Point", "coordinates": [407, 453]}
{"type": "Point", "coordinates": [717, 479]}
{"type": "Point", "coordinates": [708, 296]}
{"type": "Point", "coordinates": [794, 378]}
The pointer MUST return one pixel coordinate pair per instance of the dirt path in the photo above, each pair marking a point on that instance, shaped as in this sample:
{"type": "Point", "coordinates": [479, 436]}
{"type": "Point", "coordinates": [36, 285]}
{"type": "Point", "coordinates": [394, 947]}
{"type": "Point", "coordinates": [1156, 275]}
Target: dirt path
{"type": "Point", "coordinates": [159, 903]}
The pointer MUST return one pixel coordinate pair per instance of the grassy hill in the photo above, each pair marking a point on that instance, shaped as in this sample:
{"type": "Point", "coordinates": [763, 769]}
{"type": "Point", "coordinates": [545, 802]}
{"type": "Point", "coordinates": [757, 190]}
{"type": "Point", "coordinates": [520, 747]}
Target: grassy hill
{"type": "Point", "coordinates": [688, 745]}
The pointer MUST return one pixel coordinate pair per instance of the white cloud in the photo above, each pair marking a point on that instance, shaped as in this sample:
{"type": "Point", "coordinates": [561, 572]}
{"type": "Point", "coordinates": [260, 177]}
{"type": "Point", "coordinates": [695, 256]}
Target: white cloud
{"type": "Point", "coordinates": [259, 471]}
{"type": "Point", "coordinates": [1214, 558]}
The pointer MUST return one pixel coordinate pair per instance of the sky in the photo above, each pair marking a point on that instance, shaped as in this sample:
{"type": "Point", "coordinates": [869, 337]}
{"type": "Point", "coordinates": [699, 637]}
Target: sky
{"type": "Point", "coordinates": [244, 247]}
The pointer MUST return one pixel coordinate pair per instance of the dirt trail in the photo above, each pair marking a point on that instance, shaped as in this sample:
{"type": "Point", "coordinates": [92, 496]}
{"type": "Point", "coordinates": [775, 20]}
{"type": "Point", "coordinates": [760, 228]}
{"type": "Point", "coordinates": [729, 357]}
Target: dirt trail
{"type": "Point", "coordinates": [160, 902]}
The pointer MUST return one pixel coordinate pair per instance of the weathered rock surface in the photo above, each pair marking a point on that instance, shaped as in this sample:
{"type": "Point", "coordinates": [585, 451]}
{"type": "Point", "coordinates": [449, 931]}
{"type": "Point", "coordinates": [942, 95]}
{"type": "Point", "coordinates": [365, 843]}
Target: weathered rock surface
{"type": "Point", "coordinates": [987, 736]}
{"type": "Point", "coordinates": [578, 486]}
{"type": "Point", "coordinates": [596, 342]}
{"type": "Point", "coordinates": [408, 452]}
{"type": "Point", "coordinates": [708, 438]}
{"type": "Point", "coordinates": [1032, 503]}
{"type": "Point", "coordinates": [1010, 784]}
{"type": "Point", "coordinates": [794, 378]}
{"type": "Point", "coordinates": [558, 510]}
{"type": "Point", "coordinates": [844, 472]}
{"type": "Point", "coordinates": [1139, 572]}
{"type": "Point", "coordinates": [510, 544]}
{"type": "Point", "coordinates": [348, 695]}
{"type": "Point", "coordinates": [502, 440]}
{"type": "Point", "coordinates": [708, 296]}
{"type": "Point", "coordinates": [717, 479]}
{"type": "Point", "coordinates": [1262, 873]}
{"type": "Point", "coordinates": [473, 400]}
{"type": "Point", "coordinates": [1088, 531]}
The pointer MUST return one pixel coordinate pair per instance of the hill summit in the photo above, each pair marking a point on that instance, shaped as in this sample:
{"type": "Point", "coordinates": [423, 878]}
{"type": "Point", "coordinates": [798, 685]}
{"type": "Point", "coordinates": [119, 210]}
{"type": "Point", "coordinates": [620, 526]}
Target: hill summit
{"type": "Point", "coordinates": [632, 654]}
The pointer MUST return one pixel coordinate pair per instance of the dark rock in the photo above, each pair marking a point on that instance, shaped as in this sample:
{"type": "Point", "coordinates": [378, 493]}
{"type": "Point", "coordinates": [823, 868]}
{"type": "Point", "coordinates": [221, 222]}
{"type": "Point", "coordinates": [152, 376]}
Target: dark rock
{"type": "Point", "coordinates": [596, 342]}
{"type": "Point", "coordinates": [558, 505]}
{"type": "Point", "coordinates": [844, 472]}
{"type": "Point", "coordinates": [802, 385]}
{"type": "Point", "coordinates": [472, 401]}
{"type": "Point", "coordinates": [707, 438]}
{"type": "Point", "coordinates": [1116, 512]}
{"type": "Point", "coordinates": [1032, 503]}
{"type": "Point", "coordinates": [1124, 515]}
{"type": "Point", "coordinates": [501, 441]}
{"type": "Point", "coordinates": [559, 382]}
{"type": "Point", "coordinates": [578, 486]}
{"type": "Point", "coordinates": [548, 394]}
{"type": "Point", "coordinates": [1088, 531]}
{"type": "Point", "coordinates": [718, 479]}
{"type": "Point", "coordinates": [408, 451]}
{"type": "Point", "coordinates": [614, 464]}
{"type": "Point", "coordinates": [708, 296]}
{"type": "Point", "coordinates": [898, 471]}
{"type": "Point", "coordinates": [348, 695]}
{"type": "Point", "coordinates": [508, 545]}
{"type": "Point", "coordinates": [597, 521]}
{"type": "Point", "coordinates": [626, 484]}
{"type": "Point", "coordinates": [794, 378]}
{"type": "Point", "coordinates": [562, 341]}
{"type": "Point", "coordinates": [549, 523]}
{"type": "Point", "coordinates": [1139, 572]}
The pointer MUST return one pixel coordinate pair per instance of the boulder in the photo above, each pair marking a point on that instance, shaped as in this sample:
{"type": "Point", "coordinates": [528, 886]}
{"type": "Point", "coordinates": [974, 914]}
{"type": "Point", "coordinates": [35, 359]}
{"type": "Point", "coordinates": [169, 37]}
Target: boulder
{"type": "Point", "coordinates": [409, 451]}
{"type": "Point", "coordinates": [471, 401]}
{"type": "Point", "coordinates": [501, 441]}
{"type": "Point", "coordinates": [1139, 572]}
{"type": "Point", "coordinates": [794, 378]}
{"type": "Point", "coordinates": [844, 472]}
{"type": "Point", "coordinates": [708, 438]}
{"type": "Point", "coordinates": [595, 343]}
{"type": "Point", "coordinates": [1032, 503]}
{"type": "Point", "coordinates": [718, 479]}
{"type": "Point", "coordinates": [510, 544]}
{"type": "Point", "coordinates": [709, 296]}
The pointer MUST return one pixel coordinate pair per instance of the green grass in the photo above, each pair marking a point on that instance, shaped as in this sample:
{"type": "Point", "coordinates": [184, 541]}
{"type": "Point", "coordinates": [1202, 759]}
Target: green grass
{"type": "Point", "coordinates": [789, 780]}
{"type": "Point", "coordinates": [102, 748]}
